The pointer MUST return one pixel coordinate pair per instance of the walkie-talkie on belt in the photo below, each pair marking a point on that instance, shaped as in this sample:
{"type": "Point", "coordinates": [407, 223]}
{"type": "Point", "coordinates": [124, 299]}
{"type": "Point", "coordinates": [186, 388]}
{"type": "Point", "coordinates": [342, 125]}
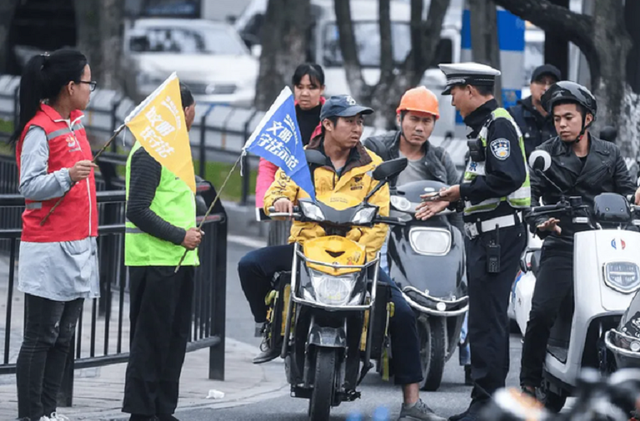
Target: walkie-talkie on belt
{"type": "Point", "coordinates": [493, 253]}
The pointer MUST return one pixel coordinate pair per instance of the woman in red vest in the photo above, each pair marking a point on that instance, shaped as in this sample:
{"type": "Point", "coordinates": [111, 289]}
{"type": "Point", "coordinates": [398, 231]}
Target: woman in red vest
{"type": "Point", "coordinates": [58, 266]}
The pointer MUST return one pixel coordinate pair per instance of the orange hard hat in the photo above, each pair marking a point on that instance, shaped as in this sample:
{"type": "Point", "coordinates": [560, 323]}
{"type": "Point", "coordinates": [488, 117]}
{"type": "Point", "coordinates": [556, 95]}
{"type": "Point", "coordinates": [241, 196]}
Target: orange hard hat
{"type": "Point", "coordinates": [419, 99]}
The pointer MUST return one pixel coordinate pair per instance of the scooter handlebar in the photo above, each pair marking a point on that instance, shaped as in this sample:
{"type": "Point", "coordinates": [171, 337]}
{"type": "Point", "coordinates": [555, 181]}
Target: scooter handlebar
{"type": "Point", "coordinates": [389, 221]}
{"type": "Point", "coordinates": [273, 214]}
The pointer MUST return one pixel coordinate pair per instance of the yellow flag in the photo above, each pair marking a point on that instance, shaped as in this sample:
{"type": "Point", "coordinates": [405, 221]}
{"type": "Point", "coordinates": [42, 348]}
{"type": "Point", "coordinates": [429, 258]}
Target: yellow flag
{"type": "Point", "coordinates": [158, 123]}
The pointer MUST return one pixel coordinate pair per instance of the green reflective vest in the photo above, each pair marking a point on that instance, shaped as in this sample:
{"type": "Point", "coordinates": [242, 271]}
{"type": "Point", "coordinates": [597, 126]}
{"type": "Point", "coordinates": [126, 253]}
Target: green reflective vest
{"type": "Point", "coordinates": [175, 203]}
{"type": "Point", "coordinates": [520, 198]}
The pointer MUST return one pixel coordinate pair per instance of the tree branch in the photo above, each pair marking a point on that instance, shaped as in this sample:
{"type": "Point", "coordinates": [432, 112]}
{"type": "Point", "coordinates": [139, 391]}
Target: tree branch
{"type": "Point", "coordinates": [431, 29]}
{"type": "Point", "coordinates": [416, 35]}
{"type": "Point", "coordinates": [387, 63]}
{"type": "Point", "coordinates": [348, 48]}
{"type": "Point", "coordinates": [575, 27]}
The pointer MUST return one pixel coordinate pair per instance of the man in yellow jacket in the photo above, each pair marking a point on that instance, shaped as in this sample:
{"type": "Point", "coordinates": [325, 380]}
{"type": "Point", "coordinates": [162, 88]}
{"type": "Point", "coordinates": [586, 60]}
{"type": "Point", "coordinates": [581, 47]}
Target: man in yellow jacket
{"type": "Point", "coordinates": [347, 170]}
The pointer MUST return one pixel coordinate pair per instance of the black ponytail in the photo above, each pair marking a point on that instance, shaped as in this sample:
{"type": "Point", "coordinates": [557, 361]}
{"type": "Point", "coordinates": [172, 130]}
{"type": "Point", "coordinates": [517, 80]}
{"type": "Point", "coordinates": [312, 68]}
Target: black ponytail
{"type": "Point", "coordinates": [43, 78]}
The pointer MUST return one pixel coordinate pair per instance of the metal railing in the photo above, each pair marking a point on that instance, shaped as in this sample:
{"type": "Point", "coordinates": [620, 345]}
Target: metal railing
{"type": "Point", "coordinates": [218, 133]}
{"type": "Point", "coordinates": [102, 334]}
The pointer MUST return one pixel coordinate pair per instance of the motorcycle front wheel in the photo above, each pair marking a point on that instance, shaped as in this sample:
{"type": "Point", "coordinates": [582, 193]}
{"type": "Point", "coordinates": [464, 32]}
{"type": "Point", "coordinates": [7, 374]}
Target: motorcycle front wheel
{"type": "Point", "coordinates": [323, 385]}
{"type": "Point", "coordinates": [433, 351]}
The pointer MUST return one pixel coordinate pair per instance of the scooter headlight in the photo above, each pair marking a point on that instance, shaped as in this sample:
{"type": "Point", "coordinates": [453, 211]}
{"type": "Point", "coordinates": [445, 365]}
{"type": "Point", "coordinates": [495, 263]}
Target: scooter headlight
{"type": "Point", "coordinates": [430, 241]}
{"type": "Point", "coordinates": [334, 290]}
{"type": "Point", "coordinates": [364, 216]}
{"type": "Point", "coordinates": [623, 277]}
{"type": "Point", "coordinates": [401, 203]}
{"type": "Point", "coordinates": [312, 211]}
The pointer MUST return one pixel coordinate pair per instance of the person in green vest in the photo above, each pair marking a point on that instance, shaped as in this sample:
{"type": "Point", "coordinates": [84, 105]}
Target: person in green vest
{"type": "Point", "coordinates": [160, 225]}
{"type": "Point", "coordinates": [494, 189]}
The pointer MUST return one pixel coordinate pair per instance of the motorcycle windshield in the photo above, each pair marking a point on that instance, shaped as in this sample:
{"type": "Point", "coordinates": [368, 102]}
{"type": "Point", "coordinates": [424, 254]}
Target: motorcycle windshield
{"type": "Point", "coordinates": [630, 322]}
{"type": "Point", "coordinates": [429, 256]}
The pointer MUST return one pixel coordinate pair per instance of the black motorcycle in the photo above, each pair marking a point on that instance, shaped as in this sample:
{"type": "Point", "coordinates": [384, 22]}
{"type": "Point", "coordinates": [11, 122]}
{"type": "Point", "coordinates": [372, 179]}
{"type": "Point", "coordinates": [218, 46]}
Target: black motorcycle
{"type": "Point", "coordinates": [427, 261]}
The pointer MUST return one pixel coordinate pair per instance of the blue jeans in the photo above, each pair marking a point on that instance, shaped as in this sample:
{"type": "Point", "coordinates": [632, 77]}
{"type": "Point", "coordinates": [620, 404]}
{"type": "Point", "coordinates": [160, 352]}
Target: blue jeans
{"type": "Point", "coordinates": [464, 350]}
{"type": "Point", "coordinates": [256, 270]}
{"type": "Point", "coordinates": [49, 327]}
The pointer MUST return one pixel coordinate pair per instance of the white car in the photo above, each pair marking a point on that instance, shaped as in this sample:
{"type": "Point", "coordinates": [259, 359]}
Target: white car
{"type": "Point", "coordinates": [209, 57]}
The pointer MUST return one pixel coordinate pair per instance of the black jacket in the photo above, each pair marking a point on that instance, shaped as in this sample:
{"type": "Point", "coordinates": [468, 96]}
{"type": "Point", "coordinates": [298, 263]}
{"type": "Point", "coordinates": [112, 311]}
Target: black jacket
{"type": "Point", "coordinates": [437, 162]}
{"type": "Point", "coordinates": [603, 171]}
{"type": "Point", "coordinates": [536, 129]}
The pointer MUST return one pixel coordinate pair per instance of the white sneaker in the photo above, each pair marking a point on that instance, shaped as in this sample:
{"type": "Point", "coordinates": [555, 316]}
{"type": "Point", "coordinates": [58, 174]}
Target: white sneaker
{"type": "Point", "coordinates": [43, 418]}
{"type": "Point", "coordinates": [57, 417]}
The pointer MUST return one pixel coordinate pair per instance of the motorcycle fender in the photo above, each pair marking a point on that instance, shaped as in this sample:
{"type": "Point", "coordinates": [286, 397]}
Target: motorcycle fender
{"type": "Point", "coordinates": [329, 337]}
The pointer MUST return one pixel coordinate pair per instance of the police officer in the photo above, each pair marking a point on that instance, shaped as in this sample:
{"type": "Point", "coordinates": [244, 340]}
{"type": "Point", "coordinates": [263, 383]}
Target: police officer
{"type": "Point", "coordinates": [495, 187]}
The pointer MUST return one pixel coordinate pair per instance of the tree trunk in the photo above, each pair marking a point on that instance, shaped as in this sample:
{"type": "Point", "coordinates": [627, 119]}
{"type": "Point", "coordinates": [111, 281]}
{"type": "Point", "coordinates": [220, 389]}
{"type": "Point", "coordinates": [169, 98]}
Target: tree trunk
{"type": "Point", "coordinates": [7, 11]}
{"type": "Point", "coordinates": [284, 47]}
{"type": "Point", "coordinates": [485, 47]}
{"type": "Point", "coordinates": [88, 34]}
{"type": "Point", "coordinates": [612, 44]}
{"type": "Point", "coordinates": [111, 28]}
{"type": "Point", "coordinates": [632, 11]}
{"type": "Point", "coordinates": [606, 44]}
{"type": "Point", "coordinates": [556, 48]}
{"type": "Point", "coordinates": [349, 49]}
{"type": "Point", "coordinates": [385, 95]}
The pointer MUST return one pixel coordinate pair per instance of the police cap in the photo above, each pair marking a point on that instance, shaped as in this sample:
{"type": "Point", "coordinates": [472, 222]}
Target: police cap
{"type": "Point", "coordinates": [475, 74]}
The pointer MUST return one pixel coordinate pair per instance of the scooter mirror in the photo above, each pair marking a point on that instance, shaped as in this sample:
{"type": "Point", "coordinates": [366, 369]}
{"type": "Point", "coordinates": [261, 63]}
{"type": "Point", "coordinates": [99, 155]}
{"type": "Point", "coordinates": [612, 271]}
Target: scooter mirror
{"type": "Point", "coordinates": [389, 168]}
{"type": "Point", "coordinates": [315, 157]}
{"type": "Point", "coordinates": [540, 160]}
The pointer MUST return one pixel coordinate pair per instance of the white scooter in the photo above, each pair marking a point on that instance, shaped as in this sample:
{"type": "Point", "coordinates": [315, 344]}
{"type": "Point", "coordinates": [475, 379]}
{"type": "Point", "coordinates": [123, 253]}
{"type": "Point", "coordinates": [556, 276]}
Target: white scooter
{"type": "Point", "coordinates": [606, 275]}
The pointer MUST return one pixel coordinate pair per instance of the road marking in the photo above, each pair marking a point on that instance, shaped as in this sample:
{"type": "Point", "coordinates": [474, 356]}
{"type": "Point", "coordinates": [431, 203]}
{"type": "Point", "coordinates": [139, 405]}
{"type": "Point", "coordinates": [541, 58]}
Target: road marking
{"type": "Point", "coordinates": [246, 241]}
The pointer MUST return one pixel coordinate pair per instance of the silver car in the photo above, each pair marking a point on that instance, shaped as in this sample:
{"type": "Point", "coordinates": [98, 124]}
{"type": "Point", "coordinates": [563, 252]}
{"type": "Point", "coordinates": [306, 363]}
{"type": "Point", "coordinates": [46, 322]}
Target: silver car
{"type": "Point", "coordinates": [208, 56]}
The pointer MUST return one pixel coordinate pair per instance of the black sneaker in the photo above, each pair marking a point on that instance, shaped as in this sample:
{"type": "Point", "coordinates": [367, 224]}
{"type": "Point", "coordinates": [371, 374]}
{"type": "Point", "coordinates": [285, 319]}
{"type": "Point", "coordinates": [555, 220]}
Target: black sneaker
{"type": "Point", "coordinates": [166, 417]}
{"type": "Point", "coordinates": [470, 414]}
{"type": "Point", "coordinates": [267, 353]}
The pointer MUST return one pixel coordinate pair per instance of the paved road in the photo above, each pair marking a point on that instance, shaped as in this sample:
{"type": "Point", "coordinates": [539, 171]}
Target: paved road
{"type": "Point", "coordinates": [452, 397]}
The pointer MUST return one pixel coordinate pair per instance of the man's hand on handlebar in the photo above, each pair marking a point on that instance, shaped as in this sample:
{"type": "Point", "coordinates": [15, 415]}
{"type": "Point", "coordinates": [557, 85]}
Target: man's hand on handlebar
{"type": "Point", "coordinates": [283, 205]}
{"type": "Point", "coordinates": [550, 224]}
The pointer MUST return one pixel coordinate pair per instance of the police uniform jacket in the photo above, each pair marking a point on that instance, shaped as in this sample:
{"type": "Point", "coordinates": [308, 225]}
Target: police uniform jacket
{"type": "Point", "coordinates": [536, 128]}
{"type": "Point", "coordinates": [505, 168]}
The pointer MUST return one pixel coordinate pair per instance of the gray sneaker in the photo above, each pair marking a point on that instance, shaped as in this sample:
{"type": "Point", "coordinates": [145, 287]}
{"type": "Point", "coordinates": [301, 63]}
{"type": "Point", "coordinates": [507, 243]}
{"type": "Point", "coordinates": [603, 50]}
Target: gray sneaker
{"type": "Point", "coordinates": [419, 412]}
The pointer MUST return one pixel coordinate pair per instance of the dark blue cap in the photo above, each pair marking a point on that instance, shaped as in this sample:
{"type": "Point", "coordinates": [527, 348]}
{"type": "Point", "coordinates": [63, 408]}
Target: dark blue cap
{"type": "Point", "coordinates": [342, 106]}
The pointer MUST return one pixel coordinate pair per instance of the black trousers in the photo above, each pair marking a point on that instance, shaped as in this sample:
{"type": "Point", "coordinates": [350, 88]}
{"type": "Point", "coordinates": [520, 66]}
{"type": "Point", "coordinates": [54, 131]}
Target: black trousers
{"type": "Point", "coordinates": [488, 303]}
{"type": "Point", "coordinates": [160, 314]}
{"type": "Point", "coordinates": [554, 289]}
{"type": "Point", "coordinates": [256, 271]}
{"type": "Point", "coordinates": [47, 339]}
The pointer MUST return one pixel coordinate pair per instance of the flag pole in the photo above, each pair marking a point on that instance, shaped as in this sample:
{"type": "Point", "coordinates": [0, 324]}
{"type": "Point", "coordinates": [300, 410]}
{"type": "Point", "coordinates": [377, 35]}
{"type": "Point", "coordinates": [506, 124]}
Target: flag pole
{"type": "Point", "coordinates": [104, 148]}
{"type": "Point", "coordinates": [215, 200]}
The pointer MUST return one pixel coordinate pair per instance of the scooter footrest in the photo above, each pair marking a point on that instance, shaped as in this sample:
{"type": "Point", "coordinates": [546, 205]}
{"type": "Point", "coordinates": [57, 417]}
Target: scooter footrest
{"type": "Point", "coordinates": [348, 396]}
{"type": "Point", "coordinates": [301, 392]}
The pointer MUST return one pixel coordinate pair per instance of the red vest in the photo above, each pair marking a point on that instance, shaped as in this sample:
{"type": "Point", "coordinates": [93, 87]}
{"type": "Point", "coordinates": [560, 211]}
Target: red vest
{"type": "Point", "coordinates": [76, 217]}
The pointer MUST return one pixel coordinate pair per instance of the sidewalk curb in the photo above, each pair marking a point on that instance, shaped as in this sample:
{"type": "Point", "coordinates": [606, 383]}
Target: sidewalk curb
{"type": "Point", "coordinates": [273, 375]}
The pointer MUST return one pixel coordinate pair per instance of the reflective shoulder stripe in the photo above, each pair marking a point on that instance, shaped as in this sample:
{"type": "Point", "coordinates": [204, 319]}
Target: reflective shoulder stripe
{"type": "Point", "coordinates": [78, 126]}
{"type": "Point", "coordinates": [57, 133]}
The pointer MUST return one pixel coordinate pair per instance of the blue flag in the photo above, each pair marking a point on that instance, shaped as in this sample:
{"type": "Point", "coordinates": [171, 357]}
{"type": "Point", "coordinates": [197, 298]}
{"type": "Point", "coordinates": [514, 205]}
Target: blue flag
{"type": "Point", "coordinates": [277, 139]}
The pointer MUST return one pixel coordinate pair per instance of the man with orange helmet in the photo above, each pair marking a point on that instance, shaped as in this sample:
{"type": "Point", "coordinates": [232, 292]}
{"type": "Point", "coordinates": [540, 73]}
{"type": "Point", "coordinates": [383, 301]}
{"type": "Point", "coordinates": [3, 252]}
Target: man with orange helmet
{"type": "Point", "coordinates": [417, 115]}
